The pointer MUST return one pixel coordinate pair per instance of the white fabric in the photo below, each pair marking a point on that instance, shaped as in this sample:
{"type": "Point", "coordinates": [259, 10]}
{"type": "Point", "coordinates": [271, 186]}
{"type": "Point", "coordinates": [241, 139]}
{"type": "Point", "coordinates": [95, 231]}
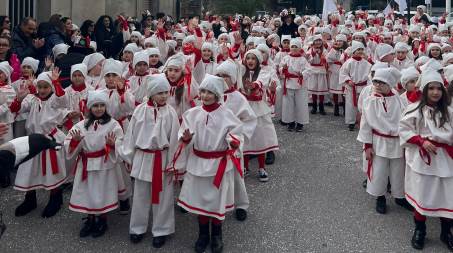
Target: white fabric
{"type": "Point", "coordinates": [79, 67]}
{"type": "Point", "coordinates": [428, 77]}
{"type": "Point", "coordinates": [141, 56]}
{"type": "Point", "coordinates": [390, 76]}
{"type": "Point", "coordinates": [213, 84]}
{"type": "Point", "coordinates": [228, 67]}
{"type": "Point", "coordinates": [408, 75]}
{"type": "Point", "coordinates": [157, 83]}
{"type": "Point", "coordinates": [112, 66]}
{"type": "Point", "coordinates": [6, 69]}
{"type": "Point", "coordinates": [386, 171]}
{"type": "Point", "coordinates": [32, 62]}
{"type": "Point", "coordinates": [448, 72]}
{"type": "Point", "coordinates": [60, 49]}
{"type": "Point", "coordinates": [131, 47]}
{"type": "Point", "coordinates": [92, 59]}
{"type": "Point", "coordinates": [96, 97]}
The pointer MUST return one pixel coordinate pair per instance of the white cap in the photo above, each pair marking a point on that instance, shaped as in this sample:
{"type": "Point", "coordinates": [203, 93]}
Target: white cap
{"type": "Point", "coordinates": [423, 7]}
{"type": "Point", "coordinates": [141, 56]}
{"type": "Point", "coordinates": [383, 50]}
{"type": "Point", "coordinates": [207, 45]}
{"type": "Point", "coordinates": [302, 27]}
{"type": "Point", "coordinates": [150, 40]}
{"type": "Point", "coordinates": [179, 36]}
{"type": "Point", "coordinates": [92, 59]}
{"type": "Point", "coordinates": [229, 68]}
{"type": "Point", "coordinates": [379, 65]}
{"type": "Point", "coordinates": [341, 37]}
{"type": "Point", "coordinates": [257, 53]}
{"type": "Point", "coordinates": [446, 58]}
{"type": "Point", "coordinates": [390, 76]}
{"type": "Point", "coordinates": [137, 34]}
{"type": "Point", "coordinates": [421, 60]}
{"type": "Point", "coordinates": [431, 65]}
{"type": "Point", "coordinates": [286, 37]}
{"type": "Point", "coordinates": [408, 74]}
{"type": "Point", "coordinates": [157, 83]}
{"type": "Point", "coordinates": [178, 60]}
{"type": "Point", "coordinates": [430, 76]}
{"type": "Point", "coordinates": [259, 41]}
{"type": "Point", "coordinates": [250, 40]}
{"type": "Point", "coordinates": [153, 51]}
{"type": "Point", "coordinates": [414, 28]}
{"type": "Point", "coordinates": [112, 66]}
{"type": "Point", "coordinates": [356, 45]}
{"type": "Point", "coordinates": [6, 68]}
{"type": "Point", "coordinates": [45, 76]}
{"type": "Point", "coordinates": [171, 44]}
{"type": "Point", "coordinates": [79, 67]}
{"type": "Point", "coordinates": [213, 84]}
{"type": "Point", "coordinates": [97, 97]}
{"type": "Point", "coordinates": [131, 47]}
{"type": "Point", "coordinates": [295, 42]}
{"type": "Point", "coordinates": [189, 39]}
{"type": "Point", "coordinates": [448, 73]}
{"type": "Point", "coordinates": [32, 62]}
{"type": "Point", "coordinates": [60, 49]}
{"type": "Point", "coordinates": [401, 46]}
{"type": "Point", "coordinates": [434, 45]}
{"type": "Point", "coordinates": [263, 48]}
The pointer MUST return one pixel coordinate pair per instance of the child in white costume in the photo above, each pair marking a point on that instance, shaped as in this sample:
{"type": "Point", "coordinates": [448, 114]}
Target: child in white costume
{"type": "Point", "coordinates": [295, 94]}
{"type": "Point", "coordinates": [93, 141]}
{"type": "Point", "coordinates": [426, 133]}
{"type": "Point", "coordinates": [335, 60]}
{"type": "Point", "coordinates": [212, 134]}
{"type": "Point", "coordinates": [378, 132]}
{"type": "Point", "coordinates": [409, 78]}
{"type": "Point", "coordinates": [7, 94]}
{"type": "Point", "coordinates": [354, 76]}
{"type": "Point", "coordinates": [149, 145]}
{"type": "Point", "coordinates": [137, 81]}
{"type": "Point", "coordinates": [47, 109]}
{"type": "Point", "coordinates": [238, 104]}
{"type": "Point", "coordinates": [94, 77]}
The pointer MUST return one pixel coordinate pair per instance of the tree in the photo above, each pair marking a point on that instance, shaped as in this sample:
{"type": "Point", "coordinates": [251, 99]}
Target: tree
{"type": "Point", "coordinates": [246, 7]}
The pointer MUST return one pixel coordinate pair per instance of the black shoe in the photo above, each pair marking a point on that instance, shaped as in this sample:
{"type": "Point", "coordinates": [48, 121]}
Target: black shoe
{"type": "Point", "coordinates": [364, 183]}
{"type": "Point", "coordinates": [404, 204]}
{"type": "Point", "coordinates": [241, 214]}
{"type": "Point", "coordinates": [159, 241]}
{"type": "Point", "coordinates": [99, 228]}
{"type": "Point", "coordinates": [54, 204]}
{"type": "Point", "coordinates": [270, 158]}
{"type": "Point", "coordinates": [299, 127]}
{"type": "Point", "coordinates": [283, 123]}
{"type": "Point", "coordinates": [135, 238]}
{"type": "Point", "coordinates": [351, 127]}
{"type": "Point", "coordinates": [87, 226]}
{"type": "Point", "coordinates": [418, 239]}
{"type": "Point", "coordinates": [314, 108]}
{"type": "Point", "coordinates": [28, 205]}
{"type": "Point", "coordinates": [321, 109]}
{"type": "Point", "coordinates": [291, 126]}
{"type": "Point", "coordinates": [203, 238]}
{"type": "Point", "coordinates": [381, 205]}
{"type": "Point", "coordinates": [124, 207]}
{"type": "Point", "coordinates": [5, 179]}
{"type": "Point", "coordinates": [336, 110]}
{"type": "Point", "coordinates": [446, 236]}
{"type": "Point", "coordinates": [216, 238]}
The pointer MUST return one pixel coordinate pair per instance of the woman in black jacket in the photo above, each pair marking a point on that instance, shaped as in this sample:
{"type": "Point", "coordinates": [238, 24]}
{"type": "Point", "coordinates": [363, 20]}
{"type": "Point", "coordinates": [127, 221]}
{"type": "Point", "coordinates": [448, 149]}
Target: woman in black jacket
{"type": "Point", "coordinates": [105, 32]}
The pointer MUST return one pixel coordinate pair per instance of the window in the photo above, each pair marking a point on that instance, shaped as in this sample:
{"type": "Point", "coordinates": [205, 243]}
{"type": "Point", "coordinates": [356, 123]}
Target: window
{"type": "Point", "coordinates": [19, 9]}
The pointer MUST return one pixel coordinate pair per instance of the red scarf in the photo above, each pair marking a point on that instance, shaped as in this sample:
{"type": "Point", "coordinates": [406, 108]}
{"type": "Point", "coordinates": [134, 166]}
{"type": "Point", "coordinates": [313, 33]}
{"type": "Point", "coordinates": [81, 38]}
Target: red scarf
{"type": "Point", "coordinates": [79, 88]}
{"type": "Point", "coordinates": [413, 96]}
{"type": "Point", "coordinates": [210, 108]}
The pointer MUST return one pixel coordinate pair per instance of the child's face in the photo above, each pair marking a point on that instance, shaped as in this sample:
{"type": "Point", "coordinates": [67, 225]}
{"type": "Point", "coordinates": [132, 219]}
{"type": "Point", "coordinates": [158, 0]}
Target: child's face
{"type": "Point", "coordinates": [207, 97]}
{"type": "Point", "coordinates": [153, 59]}
{"type": "Point", "coordinates": [388, 58]}
{"type": "Point", "coordinates": [227, 79]}
{"type": "Point", "coordinates": [338, 44]}
{"type": "Point", "coordinates": [97, 69]}
{"type": "Point", "coordinates": [302, 32]}
{"type": "Point", "coordinates": [358, 52]}
{"type": "Point", "coordinates": [128, 56]}
{"type": "Point", "coordinates": [317, 43]}
{"type": "Point", "coordinates": [265, 56]}
{"type": "Point", "coordinates": [294, 49]}
{"type": "Point", "coordinates": [285, 44]}
{"type": "Point", "coordinates": [410, 86]}
{"type": "Point", "coordinates": [141, 68]}
{"type": "Point", "coordinates": [3, 77]}
{"type": "Point", "coordinates": [44, 89]}
{"type": "Point", "coordinates": [435, 52]}
{"type": "Point", "coordinates": [401, 55]}
{"type": "Point", "coordinates": [77, 78]}
{"type": "Point", "coordinates": [110, 80]}
{"type": "Point", "coordinates": [447, 50]}
{"type": "Point", "coordinates": [381, 87]}
{"type": "Point", "coordinates": [134, 39]}
{"type": "Point", "coordinates": [174, 74]}
{"type": "Point", "coordinates": [434, 92]}
{"type": "Point", "coordinates": [388, 40]}
{"type": "Point", "coordinates": [251, 61]}
{"type": "Point", "coordinates": [4, 45]}
{"type": "Point", "coordinates": [223, 40]}
{"type": "Point", "coordinates": [98, 110]}
{"type": "Point", "coordinates": [414, 35]}
{"type": "Point", "coordinates": [149, 45]}
{"type": "Point", "coordinates": [160, 98]}
{"type": "Point", "coordinates": [26, 71]}
{"type": "Point", "coordinates": [206, 54]}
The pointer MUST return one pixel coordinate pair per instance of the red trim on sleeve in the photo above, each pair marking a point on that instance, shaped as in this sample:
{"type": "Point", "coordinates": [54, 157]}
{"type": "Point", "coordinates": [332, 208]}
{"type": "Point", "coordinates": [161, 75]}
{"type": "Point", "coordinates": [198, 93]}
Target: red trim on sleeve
{"type": "Point", "coordinates": [15, 105]}
{"type": "Point", "coordinates": [417, 140]}
{"type": "Point", "coordinates": [58, 89]}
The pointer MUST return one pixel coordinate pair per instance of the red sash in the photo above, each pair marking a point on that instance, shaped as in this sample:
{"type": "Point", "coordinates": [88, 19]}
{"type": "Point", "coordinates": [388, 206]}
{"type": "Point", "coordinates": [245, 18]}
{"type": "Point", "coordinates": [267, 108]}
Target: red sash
{"type": "Point", "coordinates": [354, 91]}
{"type": "Point", "coordinates": [53, 158]}
{"type": "Point", "coordinates": [427, 157]}
{"type": "Point", "coordinates": [156, 186]}
{"type": "Point", "coordinates": [300, 79]}
{"type": "Point", "coordinates": [85, 156]}
{"type": "Point", "coordinates": [370, 162]}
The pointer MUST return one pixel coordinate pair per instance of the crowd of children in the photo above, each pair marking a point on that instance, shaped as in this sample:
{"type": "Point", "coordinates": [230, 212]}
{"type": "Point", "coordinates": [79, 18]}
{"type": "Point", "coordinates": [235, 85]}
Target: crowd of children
{"type": "Point", "coordinates": [185, 107]}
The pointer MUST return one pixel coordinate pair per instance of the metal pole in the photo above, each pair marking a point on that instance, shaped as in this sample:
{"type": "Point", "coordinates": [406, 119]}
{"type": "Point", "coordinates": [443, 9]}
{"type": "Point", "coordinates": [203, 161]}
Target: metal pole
{"type": "Point", "coordinates": [447, 6]}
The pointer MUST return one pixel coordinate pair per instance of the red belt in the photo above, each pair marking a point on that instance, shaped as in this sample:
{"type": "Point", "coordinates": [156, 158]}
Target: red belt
{"type": "Point", "coordinates": [337, 63]}
{"type": "Point", "coordinates": [137, 103]}
{"type": "Point", "coordinates": [354, 91]}
{"type": "Point", "coordinates": [370, 162]}
{"type": "Point", "coordinates": [156, 185]}
{"type": "Point", "coordinates": [85, 156]}
{"type": "Point", "coordinates": [223, 162]}
{"type": "Point", "coordinates": [53, 158]}
{"type": "Point", "coordinates": [300, 80]}
{"type": "Point", "coordinates": [317, 65]}
{"type": "Point", "coordinates": [121, 121]}
{"type": "Point", "coordinates": [424, 154]}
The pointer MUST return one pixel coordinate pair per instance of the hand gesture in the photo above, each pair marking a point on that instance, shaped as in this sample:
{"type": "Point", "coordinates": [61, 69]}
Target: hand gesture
{"type": "Point", "coordinates": [74, 115]}
{"type": "Point", "coordinates": [55, 74]}
{"type": "Point", "coordinates": [110, 139]}
{"type": "Point", "coordinates": [431, 148]}
{"type": "Point", "coordinates": [160, 24]}
{"type": "Point", "coordinates": [369, 153]}
{"type": "Point", "coordinates": [237, 38]}
{"type": "Point", "coordinates": [273, 86]}
{"type": "Point", "coordinates": [76, 135]}
{"type": "Point", "coordinates": [38, 43]}
{"type": "Point", "coordinates": [22, 92]}
{"type": "Point", "coordinates": [120, 83]}
{"type": "Point", "coordinates": [48, 62]}
{"type": "Point", "coordinates": [186, 136]}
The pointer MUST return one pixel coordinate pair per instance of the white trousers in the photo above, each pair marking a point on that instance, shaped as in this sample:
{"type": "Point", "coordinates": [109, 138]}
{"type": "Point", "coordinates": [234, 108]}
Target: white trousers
{"type": "Point", "coordinates": [278, 103]}
{"type": "Point", "coordinates": [350, 113]}
{"type": "Point", "coordinates": [295, 106]}
{"type": "Point", "coordinates": [163, 213]}
{"type": "Point", "coordinates": [241, 199]}
{"type": "Point", "coordinates": [384, 169]}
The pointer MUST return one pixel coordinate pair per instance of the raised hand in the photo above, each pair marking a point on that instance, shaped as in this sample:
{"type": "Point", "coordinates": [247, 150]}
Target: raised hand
{"type": "Point", "coordinates": [110, 139]}
{"type": "Point", "coordinates": [76, 135]}
{"type": "Point", "coordinates": [55, 74]}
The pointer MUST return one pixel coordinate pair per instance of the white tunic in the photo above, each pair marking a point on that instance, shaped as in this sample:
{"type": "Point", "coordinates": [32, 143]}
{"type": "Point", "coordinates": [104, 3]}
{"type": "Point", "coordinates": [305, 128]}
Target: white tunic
{"type": "Point", "coordinates": [7, 95]}
{"type": "Point", "coordinates": [138, 88]}
{"type": "Point", "coordinates": [334, 60]}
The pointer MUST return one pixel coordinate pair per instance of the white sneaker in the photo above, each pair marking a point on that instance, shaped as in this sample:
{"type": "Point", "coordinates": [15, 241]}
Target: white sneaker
{"type": "Point", "coordinates": [262, 175]}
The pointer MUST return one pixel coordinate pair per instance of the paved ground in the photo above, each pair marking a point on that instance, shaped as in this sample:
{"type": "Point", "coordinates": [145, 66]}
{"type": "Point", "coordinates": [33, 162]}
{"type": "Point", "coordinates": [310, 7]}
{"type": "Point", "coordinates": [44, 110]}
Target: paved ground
{"type": "Point", "coordinates": [314, 202]}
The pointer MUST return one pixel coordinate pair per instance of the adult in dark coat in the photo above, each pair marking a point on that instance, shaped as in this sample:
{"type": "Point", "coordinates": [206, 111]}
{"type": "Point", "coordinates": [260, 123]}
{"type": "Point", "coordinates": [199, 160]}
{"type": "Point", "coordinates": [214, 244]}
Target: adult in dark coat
{"type": "Point", "coordinates": [25, 41]}
{"type": "Point", "coordinates": [288, 27]}
{"type": "Point", "coordinates": [64, 63]}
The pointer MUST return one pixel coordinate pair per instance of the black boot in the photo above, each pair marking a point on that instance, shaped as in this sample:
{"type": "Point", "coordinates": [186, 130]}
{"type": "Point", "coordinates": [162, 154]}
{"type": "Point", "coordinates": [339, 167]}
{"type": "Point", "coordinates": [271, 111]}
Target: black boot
{"type": "Point", "coordinates": [124, 207]}
{"type": "Point", "coordinates": [351, 127]}
{"type": "Point", "coordinates": [241, 214]}
{"type": "Point", "coordinates": [321, 109]}
{"type": "Point", "coordinates": [291, 126]}
{"type": "Point", "coordinates": [203, 238]}
{"type": "Point", "coordinates": [445, 235]}
{"type": "Point", "coordinates": [100, 226]}
{"type": "Point", "coordinates": [87, 226]}
{"type": "Point", "coordinates": [136, 238]}
{"type": "Point", "coordinates": [270, 158]}
{"type": "Point", "coordinates": [283, 123]}
{"type": "Point", "coordinates": [28, 205]}
{"type": "Point", "coordinates": [5, 179]}
{"type": "Point", "coordinates": [314, 108]}
{"type": "Point", "coordinates": [54, 204]}
{"type": "Point", "coordinates": [364, 183]}
{"type": "Point", "coordinates": [159, 241]}
{"type": "Point", "coordinates": [381, 205]}
{"type": "Point", "coordinates": [418, 239]}
{"type": "Point", "coordinates": [404, 204]}
{"type": "Point", "coordinates": [336, 110]}
{"type": "Point", "coordinates": [216, 238]}
{"type": "Point", "coordinates": [299, 127]}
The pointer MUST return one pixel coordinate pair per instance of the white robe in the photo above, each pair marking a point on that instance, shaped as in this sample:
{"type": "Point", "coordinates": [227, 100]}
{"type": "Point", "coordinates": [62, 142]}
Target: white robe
{"type": "Point", "coordinates": [7, 95]}
{"type": "Point", "coordinates": [334, 60]}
